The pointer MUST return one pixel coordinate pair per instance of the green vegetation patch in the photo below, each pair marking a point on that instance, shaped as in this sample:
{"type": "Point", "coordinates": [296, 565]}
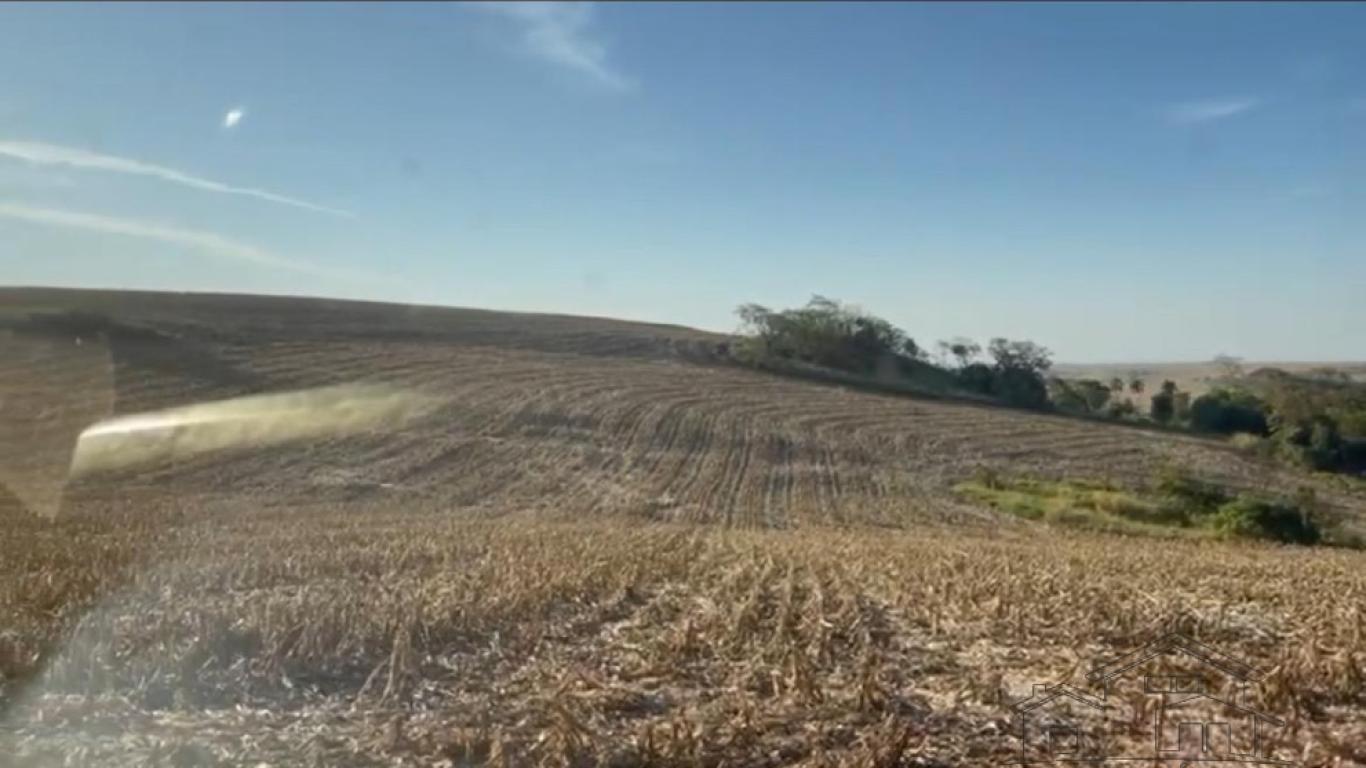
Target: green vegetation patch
{"type": "Point", "coordinates": [1075, 504]}
{"type": "Point", "coordinates": [1176, 505]}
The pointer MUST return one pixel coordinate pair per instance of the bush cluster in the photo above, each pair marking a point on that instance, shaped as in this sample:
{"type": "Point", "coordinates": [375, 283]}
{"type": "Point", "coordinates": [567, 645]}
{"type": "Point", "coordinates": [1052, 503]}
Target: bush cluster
{"type": "Point", "coordinates": [1317, 421]}
{"type": "Point", "coordinates": [1194, 502]}
{"type": "Point", "coordinates": [841, 337]}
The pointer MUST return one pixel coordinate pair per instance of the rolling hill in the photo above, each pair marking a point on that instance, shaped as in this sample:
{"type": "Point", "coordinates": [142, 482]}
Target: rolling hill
{"type": "Point", "coordinates": [607, 545]}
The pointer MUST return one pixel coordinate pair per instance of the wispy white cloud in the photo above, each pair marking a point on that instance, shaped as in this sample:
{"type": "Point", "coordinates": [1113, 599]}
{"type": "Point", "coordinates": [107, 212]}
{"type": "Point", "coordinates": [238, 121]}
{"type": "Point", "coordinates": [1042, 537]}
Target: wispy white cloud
{"type": "Point", "coordinates": [562, 34]}
{"type": "Point", "coordinates": [40, 153]}
{"type": "Point", "coordinates": [1209, 110]}
{"type": "Point", "coordinates": [207, 242]}
{"type": "Point", "coordinates": [233, 117]}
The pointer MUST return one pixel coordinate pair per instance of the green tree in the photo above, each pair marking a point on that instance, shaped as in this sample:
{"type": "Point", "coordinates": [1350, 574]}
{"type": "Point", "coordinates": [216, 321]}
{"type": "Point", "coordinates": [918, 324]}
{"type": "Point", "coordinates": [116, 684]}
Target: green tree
{"type": "Point", "coordinates": [1095, 393]}
{"type": "Point", "coordinates": [1162, 407]}
{"type": "Point", "coordinates": [1019, 355]}
{"type": "Point", "coordinates": [977, 377]}
{"type": "Point", "coordinates": [912, 350]}
{"type": "Point", "coordinates": [963, 351]}
{"type": "Point", "coordinates": [1226, 411]}
{"type": "Point", "coordinates": [1065, 396]}
{"type": "Point", "coordinates": [1019, 372]}
{"type": "Point", "coordinates": [826, 333]}
{"type": "Point", "coordinates": [1081, 396]}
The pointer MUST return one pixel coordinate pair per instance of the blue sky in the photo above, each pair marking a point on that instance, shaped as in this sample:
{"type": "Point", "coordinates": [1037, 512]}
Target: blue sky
{"type": "Point", "coordinates": [1119, 183]}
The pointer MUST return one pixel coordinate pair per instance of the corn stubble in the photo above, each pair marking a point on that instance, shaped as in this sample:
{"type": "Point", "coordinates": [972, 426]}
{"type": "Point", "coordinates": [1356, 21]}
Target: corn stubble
{"type": "Point", "coordinates": [600, 549]}
{"type": "Point", "coordinates": [417, 638]}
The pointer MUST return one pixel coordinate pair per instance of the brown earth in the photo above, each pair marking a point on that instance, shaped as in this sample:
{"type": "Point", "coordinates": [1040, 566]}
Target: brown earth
{"type": "Point", "coordinates": [607, 546]}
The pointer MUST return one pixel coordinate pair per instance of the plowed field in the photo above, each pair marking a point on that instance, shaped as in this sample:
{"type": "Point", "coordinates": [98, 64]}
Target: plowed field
{"type": "Point", "coordinates": [606, 545]}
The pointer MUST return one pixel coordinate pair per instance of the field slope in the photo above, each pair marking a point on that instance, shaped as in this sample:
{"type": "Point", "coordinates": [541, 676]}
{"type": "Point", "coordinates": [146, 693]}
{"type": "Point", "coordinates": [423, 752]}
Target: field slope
{"type": "Point", "coordinates": [607, 545]}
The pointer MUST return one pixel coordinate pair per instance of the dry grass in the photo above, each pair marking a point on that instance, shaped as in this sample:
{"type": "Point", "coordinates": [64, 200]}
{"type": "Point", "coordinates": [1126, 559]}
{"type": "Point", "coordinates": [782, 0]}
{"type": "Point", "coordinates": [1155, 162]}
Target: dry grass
{"type": "Point", "coordinates": [605, 556]}
{"type": "Point", "coordinates": [373, 637]}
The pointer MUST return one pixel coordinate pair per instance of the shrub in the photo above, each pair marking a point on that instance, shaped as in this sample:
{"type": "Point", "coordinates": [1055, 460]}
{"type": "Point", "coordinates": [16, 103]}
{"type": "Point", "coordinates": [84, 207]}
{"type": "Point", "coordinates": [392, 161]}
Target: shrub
{"type": "Point", "coordinates": [1226, 411]}
{"type": "Point", "coordinates": [1314, 443]}
{"type": "Point", "coordinates": [1019, 387]}
{"type": "Point", "coordinates": [1065, 396]}
{"type": "Point", "coordinates": [1354, 455]}
{"type": "Point", "coordinates": [988, 477]}
{"type": "Point", "coordinates": [1122, 409]}
{"type": "Point", "coordinates": [1325, 444]}
{"type": "Point", "coordinates": [1143, 511]}
{"type": "Point", "coordinates": [1179, 500]}
{"type": "Point", "coordinates": [1194, 502]}
{"type": "Point", "coordinates": [1162, 408]}
{"type": "Point", "coordinates": [1082, 395]}
{"type": "Point", "coordinates": [977, 377]}
{"type": "Point", "coordinates": [1254, 518]}
{"type": "Point", "coordinates": [1352, 422]}
{"type": "Point", "coordinates": [1181, 490]}
{"type": "Point", "coordinates": [1315, 418]}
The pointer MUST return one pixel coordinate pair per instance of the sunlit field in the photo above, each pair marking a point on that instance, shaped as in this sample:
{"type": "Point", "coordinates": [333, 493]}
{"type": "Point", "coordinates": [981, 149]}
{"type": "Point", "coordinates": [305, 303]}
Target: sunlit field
{"type": "Point", "coordinates": [607, 545]}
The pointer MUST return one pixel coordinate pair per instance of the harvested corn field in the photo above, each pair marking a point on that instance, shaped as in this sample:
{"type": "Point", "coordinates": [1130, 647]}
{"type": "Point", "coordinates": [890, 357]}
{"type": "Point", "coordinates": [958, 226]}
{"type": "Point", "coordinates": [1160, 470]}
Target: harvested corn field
{"type": "Point", "coordinates": [607, 545]}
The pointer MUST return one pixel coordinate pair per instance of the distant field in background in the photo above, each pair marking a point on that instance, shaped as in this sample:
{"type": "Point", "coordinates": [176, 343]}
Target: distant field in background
{"type": "Point", "coordinates": [609, 545]}
{"type": "Point", "coordinates": [1196, 378]}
